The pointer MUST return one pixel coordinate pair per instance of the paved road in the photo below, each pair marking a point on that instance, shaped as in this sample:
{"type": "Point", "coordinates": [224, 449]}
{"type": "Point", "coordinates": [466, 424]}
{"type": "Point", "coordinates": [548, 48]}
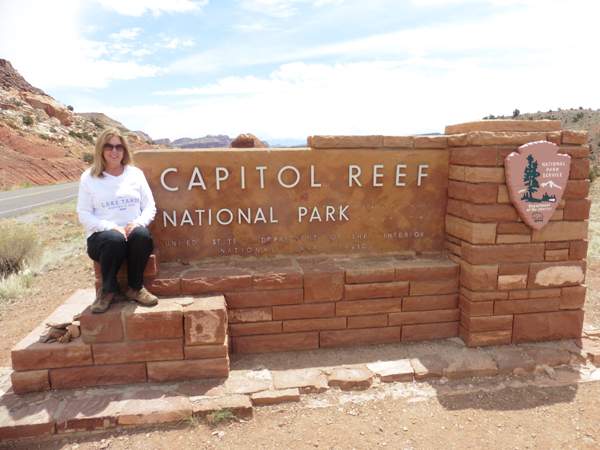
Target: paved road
{"type": "Point", "coordinates": [17, 202]}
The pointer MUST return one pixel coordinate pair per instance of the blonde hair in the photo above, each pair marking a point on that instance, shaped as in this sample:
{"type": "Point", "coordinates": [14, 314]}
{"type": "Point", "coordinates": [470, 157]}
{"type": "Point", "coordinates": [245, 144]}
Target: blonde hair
{"type": "Point", "coordinates": [99, 164]}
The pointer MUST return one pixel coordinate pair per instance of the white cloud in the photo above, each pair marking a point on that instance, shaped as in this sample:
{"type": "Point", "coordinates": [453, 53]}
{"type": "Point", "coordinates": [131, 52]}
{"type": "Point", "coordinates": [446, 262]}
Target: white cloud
{"type": "Point", "coordinates": [281, 8]}
{"type": "Point", "coordinates": [251, 28]}
{"type": "Point", "coordinates": [176, 43]}
{"type": "Point", "coordinates": [157, 7]}
{"type": "Point", "coordinates": [130, 33]}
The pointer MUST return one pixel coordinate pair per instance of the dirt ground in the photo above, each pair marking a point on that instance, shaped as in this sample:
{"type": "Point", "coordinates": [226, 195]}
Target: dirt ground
{"type": "Point", "coordinates": [502, 412]}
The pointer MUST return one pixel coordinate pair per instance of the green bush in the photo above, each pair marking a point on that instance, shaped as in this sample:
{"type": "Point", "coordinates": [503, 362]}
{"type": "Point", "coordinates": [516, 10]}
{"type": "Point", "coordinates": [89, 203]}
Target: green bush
{"type": "Point", "coordinates": [28, 120]}
{"type": "Point", "coordinates": [88, 157]}
{"type": "Point", "coordinates": [83, 135]}
{"type": "Point", "coordinates": [97, 123]}
{"type": "Point", "coordinates": [594, 172]}
{"type": "Point", "coordinates": [43, 136]}
{"type": "Point", "coordinates": [20, 246]}
{"type": "Point", "coordinates": [70, 108]}
{"type": "Point", "coordinates": [18, 103]}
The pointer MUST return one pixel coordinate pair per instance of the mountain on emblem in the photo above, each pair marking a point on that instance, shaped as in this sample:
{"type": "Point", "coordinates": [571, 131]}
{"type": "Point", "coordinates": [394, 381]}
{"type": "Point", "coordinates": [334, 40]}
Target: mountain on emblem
{"type": "Point", "coordinates": [536, 177]}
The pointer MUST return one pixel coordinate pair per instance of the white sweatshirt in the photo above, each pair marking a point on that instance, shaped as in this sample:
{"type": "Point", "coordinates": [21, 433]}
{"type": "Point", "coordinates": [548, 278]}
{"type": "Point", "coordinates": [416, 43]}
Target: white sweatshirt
{"type": "Point", "coordinates": [109, 201]}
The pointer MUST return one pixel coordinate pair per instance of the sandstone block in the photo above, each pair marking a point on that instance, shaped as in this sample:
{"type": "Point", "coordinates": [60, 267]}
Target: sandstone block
{"type": "Point", "coordinates": [256, 299]}
{"type": "Point", "coordinates": [526, 306]}
{"type": "Point", "coordinates": [106, 327]}
{"type": "Point", "coordinates": [513, 228]}
{"type": "Point", "coordinates": [334, 323]}
{"type": "Point", "coordinates": [475, 233]}
{"type": "Point", "coordinates": [347, 141]}
{"type": "Point", "coordinates": [547, 326]}
{"type": "Point", "coordinates": [503, 195]}
{"type": "Point", "coordinates": [30, 354]}
{"type": "Point", "coordinates": [424, 332]}
{"type": "Point", "coordinates": [430, 141]}
{"type": "Point", "coordinates": [453, 207]}
{"type": "Point", "coordinates": [246, 385]}
{"type": "Point", "coordinates": [488, 213]}
{"type": "Point", "coordinates": [557, 255]}
{"type": "Point", "coordinates": [154, 407]}
{"type": "Point", "coordinates": [577, 209]}
{"type": "Point", "coordinates": [430, 302]}
{"type": "Point", "coordinates": [273, 397]}
{"type": "Point", "coordinates": [273, 278]}
{"type": "Point", "coordinates": [484, 175]}
{"type": "Point", "coordinates": [456, 173]}
{"type": "Point", "coordinates": [246, 329]}
{"type": "Point", "coordinates": [452, 248]}
{"type": "Point", "coordinates": [557, 245]}
{"type": "Point", "coordinates": [472, 309]}
{"type": "Point", "coordinates": [246, 315]}
{"type": "Point", "coordinates": [576, 151]}
{"type": "Point", "coordinates": [205, 321]}
{"type": "Point", "coordinates": [514, 269]}
{"type": "Point", "coordinates": [323, 284]}
{"type": "Point", "coordinates": [458, 140]}
{"type": "Point", "coordinates": [363, 273]}
{"type": "Point", "coordinates": [388, 371]}
{"type": "Point", "coordinates": [577, 189]}
{"type": "Point", "coordinates": [580, 169]}
{"type": "Point", "coordinates": [215, 281]}
{"type": "Point", "coordinates": [505, 137]}
{"type": "Point", "coordinates": [366, 336]}
{"type": "Point", "coordinates": [138, 351]}
{"type": "Point", "coordinates": [425, 270]}
{"type": "Point", "coordinates": [428, 366]}
{"type": "Point", "coordinates": [348, 378]}
{"type": "Point", "coordinates": [509, 360]}
{"type": "Point", "coordinates": [496, 254]}
{"type": "Point", "coordinates": [505, 125]}
{"type": "Point", "coordinates": [534, 293]}
{"type": "Point", "coordinates": [364, 307]}
{"type": "Point", "coordinates": [34, 420]}
{"type": "Point", "coordinates": [469, 192]}
{"type": "Point", "coordinates": [513, 239]}
{"type": "Point", "coordinates": [397, 141]}
{"type": "Point", "coordinates": [483, 296]}
{"type": "Point", "coordinates": [592, 348]}
{"type": "Point", "coordinates": [75, 377]}
{"type": "Point", "coordinates": [475, 366]}
{"type": "Point", "coordinates": [572, 297]}
{"type": "Point", "coordinates": [550, 356]}
{"type": "Point", "coordinates": [575, 137]}
{"type": "Point", "coordinates": [486, 323]}
{"type": "Point", "coordinates": [578, 250]}
{"type": "Point", "coordinates": [436, 287]}
{"type": "Point", "coordinates": [375, 290]}
{"type": "Point", "coordinates": [166, 282]}
{"type": "Point", "coordinates": [304, 311]}
{"type": "Point", "coordinates": [163, 321]}
{"type": "Point", "coordinates": [478, 278]}
{"type": "Point", "coordinates": [561, 231]}
{"type": "Point", "coordinates": [86, 413]}
{"type": "Point", "coordinates": [555, 137]}
{"type": "Point", "coordinates": [510, 282]}
{"type": "Point", "coordinates": [161, 371]}
{"type": "Point", "coordinates": [30, 381]}
{"type": "Point", "coordinates": [485, 338]}
{"type": "Point", "coordinates": [371, 321]}
{"type": "Point", "coordinates": [306, 380]}
{"type": "Point", "coordinates": [240, 405]}
{"type": "Point", "coordinates": [270, 343]}
{"type": "Point", "coordinates": [474, 156]}
{"type": "Point", "coordinates": [413, 317]}
{"type": "Point", "coordinates": [207, 351]}
{"type": "Point", "coordinates": [556, 274]}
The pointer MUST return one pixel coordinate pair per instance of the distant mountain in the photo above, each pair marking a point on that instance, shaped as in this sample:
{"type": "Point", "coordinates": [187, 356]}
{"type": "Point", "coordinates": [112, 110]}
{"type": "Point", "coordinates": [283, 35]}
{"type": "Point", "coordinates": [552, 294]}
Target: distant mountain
{"type": "Point", "coordinates": [209, 141]}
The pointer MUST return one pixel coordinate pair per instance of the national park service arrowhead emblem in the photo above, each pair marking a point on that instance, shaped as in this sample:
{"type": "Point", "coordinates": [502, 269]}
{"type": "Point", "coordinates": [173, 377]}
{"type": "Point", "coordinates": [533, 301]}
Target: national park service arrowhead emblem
{"type": "Point", "coordinates": [537, 177]}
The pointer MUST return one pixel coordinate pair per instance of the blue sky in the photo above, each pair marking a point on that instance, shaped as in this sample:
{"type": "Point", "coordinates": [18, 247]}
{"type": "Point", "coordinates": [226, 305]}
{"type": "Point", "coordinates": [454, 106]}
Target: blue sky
{"type": "Point", "coordinates": [286, 69]}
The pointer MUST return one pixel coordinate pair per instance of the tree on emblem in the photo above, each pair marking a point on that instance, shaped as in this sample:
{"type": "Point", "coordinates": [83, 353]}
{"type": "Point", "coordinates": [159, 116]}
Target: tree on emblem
{"type": "Point", "coordinates": [530, 180]}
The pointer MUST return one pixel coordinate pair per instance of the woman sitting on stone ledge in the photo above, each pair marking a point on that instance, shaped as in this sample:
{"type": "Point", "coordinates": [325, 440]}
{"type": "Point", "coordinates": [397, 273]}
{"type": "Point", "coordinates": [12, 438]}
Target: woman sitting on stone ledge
{"type": "Point", "coordinates": [115, 205]}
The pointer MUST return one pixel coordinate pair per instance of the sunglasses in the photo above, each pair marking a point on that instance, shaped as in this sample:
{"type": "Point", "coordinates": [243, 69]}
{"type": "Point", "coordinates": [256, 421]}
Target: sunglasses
{"type": "Point", "coordinates": [119, 147]}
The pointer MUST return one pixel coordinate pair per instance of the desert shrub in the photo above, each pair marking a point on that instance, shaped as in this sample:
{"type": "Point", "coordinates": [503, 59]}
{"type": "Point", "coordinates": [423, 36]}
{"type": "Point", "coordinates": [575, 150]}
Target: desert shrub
{"type": "Point", "coordinates": [18, 103]}
{"type": "Point", "coordinates": [220, 416]}
{"type": "Point", "coordinates": [20, 246]}
{"type": "Point", "coordinates": [83, 135]}
{"type": "Point", "coordinates": [24, 184]}
{"type": "Point", "coordinates": [28, 120]}
{"type": "Point", "coordinates": [70, 108]}
{"type": "Point", "coordinates": [88, 157]}
{"type": "Point", "coordinates": [15, 286]}
{"type": "Point", "coordinates": [43, 136]}
{"type": "Point", "coordinates": [594, 172]}
{"type": "Point", "coordinates": [97, 123]}
{"type": "Point", "coordinates": [53, 130]}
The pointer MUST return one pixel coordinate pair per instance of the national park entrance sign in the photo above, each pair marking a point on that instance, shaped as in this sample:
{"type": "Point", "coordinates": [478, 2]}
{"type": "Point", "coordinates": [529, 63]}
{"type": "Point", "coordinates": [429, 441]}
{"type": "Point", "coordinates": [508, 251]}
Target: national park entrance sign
{"type": "Point", "coordinates": [354, 240]}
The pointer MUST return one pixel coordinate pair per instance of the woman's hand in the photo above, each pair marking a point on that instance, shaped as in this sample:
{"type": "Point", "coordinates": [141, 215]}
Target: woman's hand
{"type": "Point", "coordinates": [120, 230]}
{"type": "Point", "coordinates": [130, 227]}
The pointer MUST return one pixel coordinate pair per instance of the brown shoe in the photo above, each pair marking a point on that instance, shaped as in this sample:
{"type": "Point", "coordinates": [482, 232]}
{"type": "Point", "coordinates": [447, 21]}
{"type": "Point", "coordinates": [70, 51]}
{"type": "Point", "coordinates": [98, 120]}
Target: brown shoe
{"type": "Point", "coordinates": [102, 301]}
{"type": "Point", "coordinates": [143, 297]}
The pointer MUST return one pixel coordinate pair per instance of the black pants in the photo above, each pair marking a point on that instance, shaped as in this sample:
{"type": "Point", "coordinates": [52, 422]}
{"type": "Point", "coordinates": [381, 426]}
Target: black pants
{"type": "Point", "coordinates": [110, 248]}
